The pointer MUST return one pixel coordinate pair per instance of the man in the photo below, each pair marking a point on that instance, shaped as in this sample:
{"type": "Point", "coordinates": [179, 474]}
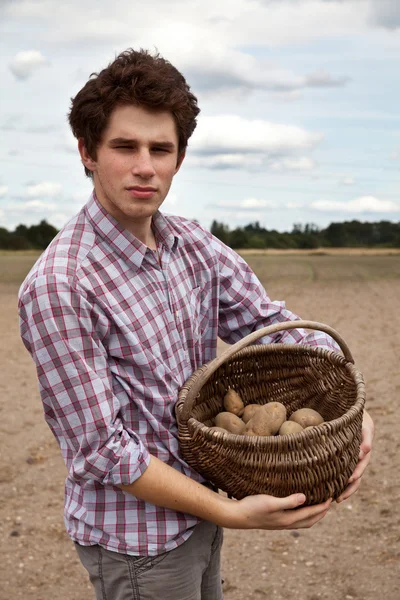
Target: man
{"type": "Point", "coordinates": [117, 313]}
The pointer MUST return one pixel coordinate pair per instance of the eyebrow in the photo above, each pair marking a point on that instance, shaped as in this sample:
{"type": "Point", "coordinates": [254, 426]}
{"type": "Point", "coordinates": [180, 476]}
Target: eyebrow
{"type": "Point", "coordinates": [132, 142]}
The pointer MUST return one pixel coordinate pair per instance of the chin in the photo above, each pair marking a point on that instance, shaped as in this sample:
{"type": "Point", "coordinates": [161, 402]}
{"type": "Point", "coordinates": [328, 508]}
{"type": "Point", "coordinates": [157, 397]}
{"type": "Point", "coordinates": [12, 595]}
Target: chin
{"type": "Point", "coordinates": [141, 213]}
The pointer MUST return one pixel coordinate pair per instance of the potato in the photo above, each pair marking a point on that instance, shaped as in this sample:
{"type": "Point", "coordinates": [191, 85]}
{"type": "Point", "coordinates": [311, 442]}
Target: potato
{"type": "Point", "coordinates": [289, 427]}
{"type": "Point", "coordinates": [267, 420]}
{"type": "Point", "coordinates": [230, 422]}
{"type": "Point", "coordinates": [233, 403]}
{"type": "Point", "coordinates": [221, 429]}
{"type": "Point", "coordinates": [249, 411]}
{"type": "Point", "coordinates": [306, 417]}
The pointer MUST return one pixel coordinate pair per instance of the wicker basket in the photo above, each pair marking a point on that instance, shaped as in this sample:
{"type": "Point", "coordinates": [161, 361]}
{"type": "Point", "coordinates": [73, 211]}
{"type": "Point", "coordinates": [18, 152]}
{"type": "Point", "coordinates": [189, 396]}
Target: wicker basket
{"type": "Point", "coordinates": [318, 461]}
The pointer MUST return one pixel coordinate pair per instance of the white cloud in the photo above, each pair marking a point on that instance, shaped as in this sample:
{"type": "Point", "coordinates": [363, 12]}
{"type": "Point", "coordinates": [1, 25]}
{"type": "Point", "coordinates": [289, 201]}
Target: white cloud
{"type": "Point", "coordinates": [34, 211]}
{"type": "Point", "coordinates": [220, 67]}
{"type": "Point", "coordinates": [196, 21]}
{"type": "Point", "coordinates": [246, 205]}
{"type": "Point", "coordinates": [45, 189]}
{"type": "Point", "coordinates": [256, 203]}
{"type": "Point", "coordinates": [233, 142]}
{"type": "Point", "coordinates": [226, 161]}
{"type": "Point", "coordinates": [38, 204]}
{"type": "Point", "coordinates": [199, 37]}
{"type": "Point", "coordinates": [11, 122]}
{"type": "Point", "coordinates": [285, 22]}
{"type": "Point", "coordinates": [25, 63]}
{"type": "Point", "coordinates": [364, 204]}
{"type": "Point", "coordinates": [295, 205]}
{"type": "Point", "coordinates": [251, 205]}
{"type": "Point", "coordinates": [348, 181]}
{"type": "Point", "coordinates": [190, 26]}
{"type": "Point", "coordinates": [33, 206]}
{"type": "Point", "coordinates": [69, 143]}
{"type": "Point", "coordinates": [41, 129]}
{"type": "Point", "coordinates": [302, 163]}
{"type": "Point", "coordinates": [385, 13]}
{"type": "Point", "coordinates": [324, 79]}
{"type": "Point", "coordinates": [231, 134]}
{"type": "Point", "coordinates": [58, 219]}
{"type": "Point", "coordinates": [3, 191]}
{"type": "Point", "coordinates": [170, 201]}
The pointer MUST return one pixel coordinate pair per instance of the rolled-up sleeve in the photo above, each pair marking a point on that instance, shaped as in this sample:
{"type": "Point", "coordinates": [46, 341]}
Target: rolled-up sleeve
{"type": "Point", "coordinates": [246, 307]}
{"type": "Point", "coordinates": [65, 335]}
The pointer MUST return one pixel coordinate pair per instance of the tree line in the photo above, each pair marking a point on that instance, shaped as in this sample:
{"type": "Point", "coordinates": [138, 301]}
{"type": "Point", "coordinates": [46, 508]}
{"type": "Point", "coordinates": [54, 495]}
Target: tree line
{"type": "Point", "coordinates": [384, 234]}
{"type": "Point", "coordinates": [35, 237]}
{"type": "Point", "coordinates": [350, 234]}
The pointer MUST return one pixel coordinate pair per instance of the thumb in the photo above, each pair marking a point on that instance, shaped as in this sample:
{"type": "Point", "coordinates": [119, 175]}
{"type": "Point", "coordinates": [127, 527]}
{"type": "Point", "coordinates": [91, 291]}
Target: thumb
{"type": "Point", "coordinates": [292, 501]}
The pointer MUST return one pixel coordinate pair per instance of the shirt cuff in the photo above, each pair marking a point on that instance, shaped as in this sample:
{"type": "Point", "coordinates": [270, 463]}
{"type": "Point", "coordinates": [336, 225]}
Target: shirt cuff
{"type": "Point", "coordinates": [322, 340]}
{"type": "Point", "coordinates": [134, 459]}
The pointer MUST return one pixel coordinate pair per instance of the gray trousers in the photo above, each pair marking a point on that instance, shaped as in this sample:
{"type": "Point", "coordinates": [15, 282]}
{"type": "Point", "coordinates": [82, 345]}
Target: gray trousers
{"type": "Point", "coordinates": [190, 572]}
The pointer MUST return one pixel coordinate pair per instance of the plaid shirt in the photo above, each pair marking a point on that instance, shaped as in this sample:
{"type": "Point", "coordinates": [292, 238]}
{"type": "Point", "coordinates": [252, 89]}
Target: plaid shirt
{"type": "Point", "coordinates": [114, 336]}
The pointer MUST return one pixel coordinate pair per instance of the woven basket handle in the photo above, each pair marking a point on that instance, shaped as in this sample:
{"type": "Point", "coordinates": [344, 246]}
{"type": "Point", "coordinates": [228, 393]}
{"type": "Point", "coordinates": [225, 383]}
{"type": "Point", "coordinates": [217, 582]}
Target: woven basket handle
{"type": "Point", "coordinates": [184, 407]}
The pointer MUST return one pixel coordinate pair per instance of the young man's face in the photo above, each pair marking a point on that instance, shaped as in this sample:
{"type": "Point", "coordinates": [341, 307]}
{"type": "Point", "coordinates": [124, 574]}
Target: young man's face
{"type": "Point", "coordinates": [136, 161]}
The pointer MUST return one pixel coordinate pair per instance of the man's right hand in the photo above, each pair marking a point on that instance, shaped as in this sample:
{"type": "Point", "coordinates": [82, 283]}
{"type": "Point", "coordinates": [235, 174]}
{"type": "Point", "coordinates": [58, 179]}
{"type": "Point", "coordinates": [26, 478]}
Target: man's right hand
{"type": "Point", "coordinates": [268, 512]}
{"type": "Point", "coordinates": [163, 485]}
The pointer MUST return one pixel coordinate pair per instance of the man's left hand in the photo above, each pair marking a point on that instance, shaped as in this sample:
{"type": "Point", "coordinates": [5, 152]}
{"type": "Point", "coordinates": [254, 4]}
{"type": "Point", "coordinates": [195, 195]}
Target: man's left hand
{"type": "Point", "coordinates": [364, 458]}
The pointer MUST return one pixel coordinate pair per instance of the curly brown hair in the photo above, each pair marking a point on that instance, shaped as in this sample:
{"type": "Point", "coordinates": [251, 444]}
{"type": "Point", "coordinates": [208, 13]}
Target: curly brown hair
{"type": "Point", "coordinates": [138, 78]}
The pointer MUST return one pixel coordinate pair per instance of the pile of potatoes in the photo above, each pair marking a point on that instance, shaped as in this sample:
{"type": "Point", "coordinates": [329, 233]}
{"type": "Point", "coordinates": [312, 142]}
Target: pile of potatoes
{"type": "Point", "coordinates": [266, 419]}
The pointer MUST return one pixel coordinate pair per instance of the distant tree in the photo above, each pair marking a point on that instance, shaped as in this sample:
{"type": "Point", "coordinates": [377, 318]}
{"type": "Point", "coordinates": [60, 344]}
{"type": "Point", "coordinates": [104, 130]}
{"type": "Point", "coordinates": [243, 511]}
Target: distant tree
{"type": "Point", "coordinates": [336, 235]}
{"type": "Point", "coordinates": [220, 231]}
{"type": "Point", "coordinates": [256, 240]}
{"type": "Point", "coordinates": [297, 228]}
{"type": "Point", "coordinates": [238, 238]}
{"type": "Point", "coordinates": [18, 242]}
{"type": "Point", "coordinates": [4, 238]}
{"type": "Point", "coordinates": [22, 230]}
{"type": "Point", "coordinates": [41, 235]}
{"type": "Point", "coordinates": [311, 229]}
{"type": "Point", "coordinates": [307, 241]}
{"type": "Point", "coordinates": [254, 228]}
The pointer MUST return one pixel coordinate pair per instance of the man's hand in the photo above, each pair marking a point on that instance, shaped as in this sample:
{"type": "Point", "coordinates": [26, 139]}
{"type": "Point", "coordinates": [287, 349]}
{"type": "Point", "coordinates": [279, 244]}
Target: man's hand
{"type": "Point", "coordinates": [268, 512]}
{"type": "Point", "coordinates": [163, 485]}
{"type": "Point", "coordinates": [364, 458]}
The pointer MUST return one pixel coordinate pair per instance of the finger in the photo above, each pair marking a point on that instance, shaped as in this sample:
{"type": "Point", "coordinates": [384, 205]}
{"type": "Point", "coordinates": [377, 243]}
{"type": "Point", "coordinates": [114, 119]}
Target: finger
{"type": "Point", "coordinates": [307, 523]}
{"type": "Point", "coordinates": [368, 430]}
{"type": "Point", "coordinates": [287, 503]}
{"type": "Point", "coordinates": [349, 491]}
{"type": "Point", "coordinates": [365, 448]}
{"type": "Point", "coordinates": [360, 468]}
{"type": "Point", "coordinates": [306, 513]}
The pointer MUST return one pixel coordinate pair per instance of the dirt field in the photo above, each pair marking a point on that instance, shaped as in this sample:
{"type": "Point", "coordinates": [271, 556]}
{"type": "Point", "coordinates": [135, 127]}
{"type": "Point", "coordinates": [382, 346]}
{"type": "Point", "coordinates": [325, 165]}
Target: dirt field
{"type": "Point", "coordinates": [354, 553]}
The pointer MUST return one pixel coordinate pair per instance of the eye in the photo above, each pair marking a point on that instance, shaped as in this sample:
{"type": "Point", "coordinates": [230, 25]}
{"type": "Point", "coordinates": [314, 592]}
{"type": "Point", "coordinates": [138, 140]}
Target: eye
{"type": "Point", "coordinates": [158, 149]}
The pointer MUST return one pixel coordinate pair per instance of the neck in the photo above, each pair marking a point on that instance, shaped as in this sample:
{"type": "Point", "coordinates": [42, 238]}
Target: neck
{"type": "Point", "coordinates": [139, 227]}
{"type": "Point", "coordinates": [142, 231]}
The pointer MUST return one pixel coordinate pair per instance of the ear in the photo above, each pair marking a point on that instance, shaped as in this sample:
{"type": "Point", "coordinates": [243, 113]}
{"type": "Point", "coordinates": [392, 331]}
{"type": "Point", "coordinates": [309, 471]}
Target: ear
{"type": "Point", "coordinates": [180, 161]}
{"type": "Point", "coordinates": [86, 159]}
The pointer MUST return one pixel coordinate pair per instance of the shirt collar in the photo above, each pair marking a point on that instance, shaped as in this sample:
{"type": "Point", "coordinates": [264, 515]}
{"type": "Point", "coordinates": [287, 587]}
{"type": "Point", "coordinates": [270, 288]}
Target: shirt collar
{"type": "Point", "coordinates": [120, 239]}
{"type": "Point", "coordinates": [163, 231]}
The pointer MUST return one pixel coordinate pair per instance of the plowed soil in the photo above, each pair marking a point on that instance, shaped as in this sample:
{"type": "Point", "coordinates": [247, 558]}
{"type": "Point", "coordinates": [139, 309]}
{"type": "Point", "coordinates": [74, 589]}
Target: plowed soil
{"type": "Point", "coordinates": [354, 553]}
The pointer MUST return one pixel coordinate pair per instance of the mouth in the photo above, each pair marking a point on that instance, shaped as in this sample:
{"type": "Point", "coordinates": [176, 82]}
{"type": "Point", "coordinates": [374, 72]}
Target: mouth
{"type": "Point", "coordinates": [142, 192]}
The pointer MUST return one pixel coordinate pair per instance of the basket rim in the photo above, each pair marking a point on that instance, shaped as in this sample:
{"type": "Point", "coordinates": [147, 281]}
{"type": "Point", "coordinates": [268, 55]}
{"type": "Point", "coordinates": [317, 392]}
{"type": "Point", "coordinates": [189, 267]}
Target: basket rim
{"type": "Point", "coordinates": [334, 357]}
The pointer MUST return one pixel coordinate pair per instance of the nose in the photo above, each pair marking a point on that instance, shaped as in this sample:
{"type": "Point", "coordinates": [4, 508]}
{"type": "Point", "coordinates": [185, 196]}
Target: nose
{"type": "Point", "coordinates": [143, 165]}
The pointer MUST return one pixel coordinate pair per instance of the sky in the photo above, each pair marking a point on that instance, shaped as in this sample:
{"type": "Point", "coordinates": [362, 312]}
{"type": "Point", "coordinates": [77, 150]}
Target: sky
{"type": "Point", "coordinates": [299, 99]}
